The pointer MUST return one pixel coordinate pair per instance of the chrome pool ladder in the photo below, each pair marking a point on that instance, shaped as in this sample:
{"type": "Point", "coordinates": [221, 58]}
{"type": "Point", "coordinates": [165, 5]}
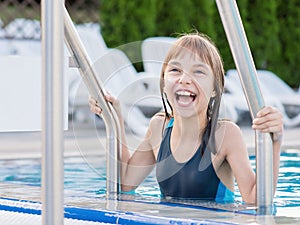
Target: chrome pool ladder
{"type": "Point", "coordinates": [81, 60]}
{"type": "Point", "coordinates": [53, 13]}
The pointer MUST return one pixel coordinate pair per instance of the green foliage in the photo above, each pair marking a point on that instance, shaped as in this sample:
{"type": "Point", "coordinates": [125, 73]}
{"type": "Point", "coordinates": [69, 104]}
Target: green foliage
{"type": "Point", "coordinates": [220, 39]}
{"type": "Point", "coordinates": [272, 28]}
{"type": "Point", "coordinates": [263, 29]}
{"type": "Point", "coordinates": [172, 17]}
{"type": "Point", "coordinates": [202, 17]}
{"type": "Point", "coordinates": [125, 23]}
{"type": "Point", "coordinates": [289, 62]}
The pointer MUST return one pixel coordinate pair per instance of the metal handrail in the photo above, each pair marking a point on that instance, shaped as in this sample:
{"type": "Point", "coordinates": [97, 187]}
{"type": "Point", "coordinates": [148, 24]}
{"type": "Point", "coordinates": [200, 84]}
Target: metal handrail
{"type": "Point", "coordinates": [96, 90]}
{"type": "Point", "coordinates": [239, 46]}
{"type": "Point", "coordinates": [52, 114]}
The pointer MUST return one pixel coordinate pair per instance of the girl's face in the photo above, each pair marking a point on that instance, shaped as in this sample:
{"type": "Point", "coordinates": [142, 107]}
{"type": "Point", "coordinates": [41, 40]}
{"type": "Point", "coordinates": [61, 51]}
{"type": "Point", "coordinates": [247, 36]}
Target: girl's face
{"type": "Point", "coordinates": [188, 84]}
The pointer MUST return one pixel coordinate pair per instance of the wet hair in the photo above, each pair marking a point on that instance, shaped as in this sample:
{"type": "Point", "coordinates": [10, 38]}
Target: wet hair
{"type": "Point", "coordinates": [201, 46]}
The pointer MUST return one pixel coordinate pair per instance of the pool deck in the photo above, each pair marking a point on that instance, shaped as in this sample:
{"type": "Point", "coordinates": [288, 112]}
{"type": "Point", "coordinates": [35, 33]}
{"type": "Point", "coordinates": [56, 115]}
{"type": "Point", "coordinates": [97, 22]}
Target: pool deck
{"type": "Point", "coordinates": [133, 210]}
{"type": "Point", "coordinates": [86, 138]}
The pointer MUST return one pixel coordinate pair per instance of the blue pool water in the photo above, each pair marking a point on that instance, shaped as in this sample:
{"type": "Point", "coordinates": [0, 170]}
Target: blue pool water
{"type": "Point", "coordinates": [86, 179]}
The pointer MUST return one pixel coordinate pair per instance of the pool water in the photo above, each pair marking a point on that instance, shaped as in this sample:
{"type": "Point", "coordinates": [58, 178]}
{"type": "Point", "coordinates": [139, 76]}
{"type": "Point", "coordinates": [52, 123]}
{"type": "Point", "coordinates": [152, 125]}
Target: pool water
{"type": "Point", "coordinates": [86, 179]}
{"type": "Point", "coordinates": [288, 187]}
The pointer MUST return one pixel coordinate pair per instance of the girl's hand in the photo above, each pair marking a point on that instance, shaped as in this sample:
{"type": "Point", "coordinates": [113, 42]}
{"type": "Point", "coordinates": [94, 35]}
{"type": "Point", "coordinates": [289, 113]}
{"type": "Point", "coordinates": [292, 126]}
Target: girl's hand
{"type": "Point", "coordinates": [95, 107]}
{"type": "Point", "coordinates": [269, 120]}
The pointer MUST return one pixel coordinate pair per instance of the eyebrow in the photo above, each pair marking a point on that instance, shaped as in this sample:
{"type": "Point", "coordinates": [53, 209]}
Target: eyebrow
{"type": "Point", "coordinates": [204, 65]}
{"type": "Point", "coordinates": [176, 63]}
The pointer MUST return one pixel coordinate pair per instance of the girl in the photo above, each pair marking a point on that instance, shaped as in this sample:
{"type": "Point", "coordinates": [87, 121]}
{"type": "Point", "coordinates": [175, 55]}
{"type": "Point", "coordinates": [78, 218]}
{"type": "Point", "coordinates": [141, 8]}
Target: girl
{"type": "Point", "coordinates": [196, 155]}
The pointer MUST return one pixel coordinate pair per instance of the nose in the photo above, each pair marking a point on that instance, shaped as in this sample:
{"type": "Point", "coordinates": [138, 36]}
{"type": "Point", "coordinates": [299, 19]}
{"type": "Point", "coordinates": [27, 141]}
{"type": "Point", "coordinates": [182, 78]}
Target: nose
{"type": "Point", "coordinates": [185, 78]}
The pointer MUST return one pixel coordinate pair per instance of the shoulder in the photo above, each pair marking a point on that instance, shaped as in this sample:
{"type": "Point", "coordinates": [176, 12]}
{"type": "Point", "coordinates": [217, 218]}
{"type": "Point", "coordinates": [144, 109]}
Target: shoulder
{"type": "Point", "coordinates": [158, 121]}
{"type": "Point", "coordinates": [227, 126]}
{"type": "Point", "coordinates": [228, 136]}
{"type": "Point", "coordinates": [156, 129]}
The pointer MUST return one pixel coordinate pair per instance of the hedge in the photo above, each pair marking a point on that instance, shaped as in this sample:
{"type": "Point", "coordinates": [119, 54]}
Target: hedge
{"type": "Point", "coordinates": [272, 28]}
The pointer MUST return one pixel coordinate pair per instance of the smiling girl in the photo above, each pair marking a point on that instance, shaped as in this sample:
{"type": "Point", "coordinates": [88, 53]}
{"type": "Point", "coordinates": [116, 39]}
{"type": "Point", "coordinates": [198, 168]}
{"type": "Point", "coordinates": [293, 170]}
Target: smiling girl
{"type": "Point", "coordinates": [199, 156]}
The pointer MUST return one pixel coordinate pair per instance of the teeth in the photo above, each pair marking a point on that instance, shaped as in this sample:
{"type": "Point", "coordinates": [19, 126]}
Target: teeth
{"type": "Point", "coordinates": [185, 93]}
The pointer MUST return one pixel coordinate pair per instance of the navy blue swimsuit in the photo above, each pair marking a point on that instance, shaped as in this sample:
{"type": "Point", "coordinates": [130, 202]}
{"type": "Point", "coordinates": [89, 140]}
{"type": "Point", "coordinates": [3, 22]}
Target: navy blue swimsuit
{"type": "Point", "coordinates": [194, 179]}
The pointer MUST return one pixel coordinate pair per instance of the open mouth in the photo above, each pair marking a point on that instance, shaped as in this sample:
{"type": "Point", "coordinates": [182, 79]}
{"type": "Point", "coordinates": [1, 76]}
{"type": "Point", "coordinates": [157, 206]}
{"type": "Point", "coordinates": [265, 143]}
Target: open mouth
{"type": "Point", "coordinates": [185, 97]}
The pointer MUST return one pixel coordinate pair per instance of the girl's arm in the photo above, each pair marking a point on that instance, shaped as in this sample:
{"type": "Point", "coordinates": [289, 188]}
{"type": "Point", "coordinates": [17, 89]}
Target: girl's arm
{"type": "Point", "coordinates": [135, 167]}
{"type": "Point", "coordinates": [268, 120]}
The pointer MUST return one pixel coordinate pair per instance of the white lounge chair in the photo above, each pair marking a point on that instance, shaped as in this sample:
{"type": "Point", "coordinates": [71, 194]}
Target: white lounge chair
{"type": "Point", "coordinates": [154, 50]}
{"type": "Point", "coordinates": [78, 94]}
{"type": "Point", "coordinates": [275, 93]}
{"type": "Point", "coordinates": [137, 92]}
{"type": "Point", "coordinates": [285, 94]}
{"type": "Point", "coordinates": [234, 88]}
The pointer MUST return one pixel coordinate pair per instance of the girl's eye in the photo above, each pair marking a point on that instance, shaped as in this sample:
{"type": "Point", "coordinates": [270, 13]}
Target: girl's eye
{"type": "Point", "coordinates": [199, 72]}
{"type": "Point", "coordinates": [173, 70]}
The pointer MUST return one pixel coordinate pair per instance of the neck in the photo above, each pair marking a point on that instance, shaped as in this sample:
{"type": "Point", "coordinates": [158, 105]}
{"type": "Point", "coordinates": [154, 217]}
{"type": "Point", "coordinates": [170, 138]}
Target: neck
{"type": "Point", "coordinates": [192, 127]}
